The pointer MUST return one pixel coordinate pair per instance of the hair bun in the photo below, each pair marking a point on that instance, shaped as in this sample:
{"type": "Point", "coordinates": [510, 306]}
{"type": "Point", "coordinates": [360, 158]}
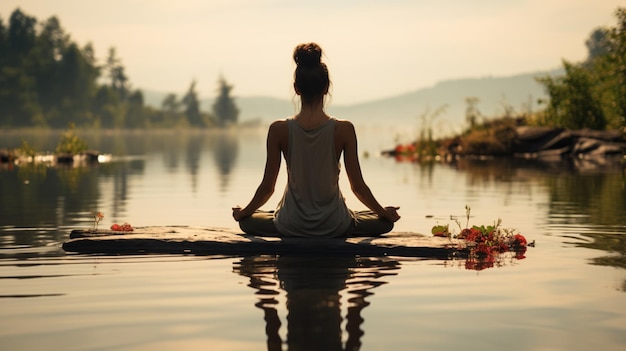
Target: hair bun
{"type": "Point", "coordinates": [309, 54]}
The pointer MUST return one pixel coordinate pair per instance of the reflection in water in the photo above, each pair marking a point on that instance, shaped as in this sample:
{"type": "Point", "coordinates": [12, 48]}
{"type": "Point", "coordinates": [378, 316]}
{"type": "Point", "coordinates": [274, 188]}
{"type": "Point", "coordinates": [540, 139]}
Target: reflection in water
{"type": "Point", "coordinates": [226, 151]}
{"type": "Point", "coordinates": [171, 148]}
{"type": "Point", "coordinates": [613, 243]}
{"type": "Point", "coordinates": [601, 197]}
{"type": "Point", "coordinates": [121, 173]}
{"type": "Point", "coordinates": [585, 196]}
{"type": "Point", "coordinates": [591, 195]}
{"type": "Point", "coordinates": [38, 196]}
{"type": "Point", "coordinates": [313, 287]}
{"type": "Point", "coordinates": [32, 193]}
{"type": "Point", "coordinates": [222, 145]}
{"type": "Point", "coordinates": [192, 158]}
{"type": "Point", "coordinates": [36, 199]}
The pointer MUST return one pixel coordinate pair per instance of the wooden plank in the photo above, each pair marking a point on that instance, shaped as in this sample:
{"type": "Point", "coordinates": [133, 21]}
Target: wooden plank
{"type": "Point", "coordinates": [218, 241]}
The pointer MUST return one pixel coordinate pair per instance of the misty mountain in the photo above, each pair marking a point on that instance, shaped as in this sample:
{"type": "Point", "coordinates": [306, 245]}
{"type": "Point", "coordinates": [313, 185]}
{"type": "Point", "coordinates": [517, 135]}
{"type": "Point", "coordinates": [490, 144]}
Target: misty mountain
{"type": "Point", "coordinates": [495, 94]}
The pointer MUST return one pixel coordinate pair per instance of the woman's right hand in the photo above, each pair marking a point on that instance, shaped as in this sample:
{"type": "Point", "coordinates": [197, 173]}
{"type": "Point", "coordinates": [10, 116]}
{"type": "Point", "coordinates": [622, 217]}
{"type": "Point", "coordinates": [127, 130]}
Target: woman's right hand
{"type": "Point", "coordinates": [237, 215]}
{"type": "Point", "coordinates": [391, 213]}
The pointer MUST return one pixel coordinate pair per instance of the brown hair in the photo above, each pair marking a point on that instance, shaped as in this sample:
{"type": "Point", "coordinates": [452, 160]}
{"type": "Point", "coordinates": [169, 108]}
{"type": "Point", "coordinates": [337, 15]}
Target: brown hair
{"type": "Point", "coordinates": [311, 79]}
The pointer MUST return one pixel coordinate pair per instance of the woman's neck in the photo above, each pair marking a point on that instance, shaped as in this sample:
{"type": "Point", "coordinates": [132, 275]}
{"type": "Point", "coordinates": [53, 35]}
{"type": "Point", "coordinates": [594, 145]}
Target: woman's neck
{"type": "Point", "coordinates": [312, 115]}
{"type": "Point", "coordinates": [314, 110]}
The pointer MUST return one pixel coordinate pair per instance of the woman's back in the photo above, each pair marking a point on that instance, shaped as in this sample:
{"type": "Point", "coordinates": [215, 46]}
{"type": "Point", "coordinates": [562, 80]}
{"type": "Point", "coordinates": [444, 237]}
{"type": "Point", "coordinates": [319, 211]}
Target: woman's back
{"type": "Point", "coordinates": [312, 143]}
{"type": "Point", "coordinates": [312, 204]}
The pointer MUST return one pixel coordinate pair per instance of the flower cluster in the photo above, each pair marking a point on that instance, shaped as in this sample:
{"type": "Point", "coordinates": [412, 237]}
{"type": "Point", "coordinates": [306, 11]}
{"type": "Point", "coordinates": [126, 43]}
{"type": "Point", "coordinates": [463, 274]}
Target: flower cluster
{"type": "Point", "coordinates": [122, 228]}
{"type": "Point", "coordinates": [97, 217]}
{"type": "Point", "coordinates": [485, 246]}
{"type": "Point", "coordinates": [405, 152]}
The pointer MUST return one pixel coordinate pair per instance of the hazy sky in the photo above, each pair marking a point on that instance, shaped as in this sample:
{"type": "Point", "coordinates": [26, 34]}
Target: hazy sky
{"type": "Point", "coordinates": [374, 49]}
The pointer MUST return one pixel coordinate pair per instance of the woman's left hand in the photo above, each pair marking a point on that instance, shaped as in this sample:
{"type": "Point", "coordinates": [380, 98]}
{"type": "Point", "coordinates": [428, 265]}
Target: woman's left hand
{"type": "Point", "coordinates": [237, 214]}
{"type": "Point", "coordinates": [391, 214]}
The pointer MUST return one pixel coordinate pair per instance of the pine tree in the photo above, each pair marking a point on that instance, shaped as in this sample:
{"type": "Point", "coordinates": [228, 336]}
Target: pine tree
{"type": "Point", "coordinates": [192, 107]}
{"type": "Point", "coordinates": [224, 107]}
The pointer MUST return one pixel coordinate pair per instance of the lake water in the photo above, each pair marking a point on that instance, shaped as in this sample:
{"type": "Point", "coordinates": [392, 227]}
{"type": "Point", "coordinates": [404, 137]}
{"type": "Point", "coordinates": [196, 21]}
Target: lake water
{"type": "Point", "coordinates": [568, 293]}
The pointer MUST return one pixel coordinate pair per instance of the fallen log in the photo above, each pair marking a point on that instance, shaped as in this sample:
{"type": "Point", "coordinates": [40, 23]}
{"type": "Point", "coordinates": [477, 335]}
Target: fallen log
{"type": "Point", "coordinates": [550, 142]}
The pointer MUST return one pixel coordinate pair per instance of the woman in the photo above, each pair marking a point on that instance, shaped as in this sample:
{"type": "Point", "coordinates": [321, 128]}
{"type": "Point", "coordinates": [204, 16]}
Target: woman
{"type": "Point", "coordinates": [312, 143]}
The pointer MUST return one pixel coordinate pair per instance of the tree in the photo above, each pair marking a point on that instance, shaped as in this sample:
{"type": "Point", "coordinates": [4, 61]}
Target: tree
{"type": "Point", "coordinates": [4, 44]}
{"type": "Point", "coordinates": [53, 39]}
{"type": "Point", "coordinates": [472, 114]}
{"type": "Point", "coordinates": [45, 64]}
{"type": "Point", "coordinates": [48, 80]}
{"type": "Point", "coordinates": [170, 111]}
{"type": "Point", "coordinates": [108, 109]}
{"type": "Point", "coordinates": [192, 107]}
{"type": "Point", "coordinates": [21, 36]}
{"type": "Point", "coordinates": [136, 117]}
{"type": "Point", "coordinates": [592, 94]}
{"type": "Point", "coordinates": [224, 107]}
{"type": "Point", "coordinates": [118, 79]}
{"type": "Point", "coordinates": [18, 99]}
{"type": "Point", "coordinates": [573, 104]}
{"type": "Point", "coordinates": [597, 44]}
{"type": "Point", "coordinates": [617, 74]}
{"type": "Point", "coordinates": [18, 96]}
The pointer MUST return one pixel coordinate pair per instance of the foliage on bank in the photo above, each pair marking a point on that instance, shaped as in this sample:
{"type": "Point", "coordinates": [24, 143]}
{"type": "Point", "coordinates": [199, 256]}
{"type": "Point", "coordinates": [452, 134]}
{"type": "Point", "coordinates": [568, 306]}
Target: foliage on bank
{"type": "Point", "coordinates": [70, 148]}
{"type": "Point", "coordinates": [591, 95]}
{"type": "Point", "coordinates": [48, 80]}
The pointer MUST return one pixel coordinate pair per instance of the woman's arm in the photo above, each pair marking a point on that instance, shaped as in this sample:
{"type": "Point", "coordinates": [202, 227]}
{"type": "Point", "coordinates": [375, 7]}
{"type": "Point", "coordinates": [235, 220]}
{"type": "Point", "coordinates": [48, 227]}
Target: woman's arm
{"type": "Point", "coordinates": [355, 176]}
{"type": "Point", "coordinates": [275, 136]}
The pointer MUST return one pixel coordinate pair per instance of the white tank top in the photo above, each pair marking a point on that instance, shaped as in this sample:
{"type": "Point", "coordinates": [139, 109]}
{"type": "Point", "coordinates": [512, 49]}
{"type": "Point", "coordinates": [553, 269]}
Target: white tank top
{"type": "Point", "coordinates": [312, 205]}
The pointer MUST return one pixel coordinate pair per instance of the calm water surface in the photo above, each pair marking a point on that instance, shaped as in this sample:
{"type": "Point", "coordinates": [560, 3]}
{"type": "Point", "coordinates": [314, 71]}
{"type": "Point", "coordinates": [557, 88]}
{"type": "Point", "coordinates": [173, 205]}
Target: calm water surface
{"type": "Point", "coordinates": [569, 293]}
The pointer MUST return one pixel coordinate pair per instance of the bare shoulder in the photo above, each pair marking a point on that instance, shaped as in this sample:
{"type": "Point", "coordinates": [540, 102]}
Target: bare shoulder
{"type": "Point", "coordinates": [278, 127]}
{"type": "Point", "coordinates": [278, 124]}
{"type": "Point", "coordinates": [344, 127]}
{"type": "Point", "coordinates": [278, 134]}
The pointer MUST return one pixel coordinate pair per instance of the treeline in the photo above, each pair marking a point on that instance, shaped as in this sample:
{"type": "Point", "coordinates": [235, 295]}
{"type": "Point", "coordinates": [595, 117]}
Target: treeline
{"type": "Point", "coordinates": [47, 80]}
{"type": "Point", "coordinates": [591, 94]}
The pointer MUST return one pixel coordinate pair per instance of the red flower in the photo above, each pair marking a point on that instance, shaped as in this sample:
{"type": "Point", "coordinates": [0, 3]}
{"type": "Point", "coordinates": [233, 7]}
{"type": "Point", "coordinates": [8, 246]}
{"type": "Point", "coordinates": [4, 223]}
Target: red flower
{"type": "Point", "coordinates": [478, 264]}
{"type": "Point", "coordinates": [464, 234]}
{"type": "Point", "coordinates": [122, 228]}
{"type": "Point", "coordinates": [483, 245]}
{"type": "Point", "coordinates": [471, 264]}
{"type": "Point", "coordinates": [475, 235]}
{"type": "Point", "coordinates": [483, 250]}
{"type": "Point", "coordinates": [503, 247]}
{"type": "Point", "coordinates": [519, 240]}
{"type": "Point", "coordinates": [490, 236]}
{"type": "Point", "coordinates": [519, 252]}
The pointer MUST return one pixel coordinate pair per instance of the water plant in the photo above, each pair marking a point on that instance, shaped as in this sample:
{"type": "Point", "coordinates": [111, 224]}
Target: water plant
{"type": "Point", "coordinates": [26, 149]}
{"type": "Point", "coordinates": [484, 246]}
{"type": "Point", "coordinates": [70, 143]}
{"type": "Point", "coordinates": [97, 217]}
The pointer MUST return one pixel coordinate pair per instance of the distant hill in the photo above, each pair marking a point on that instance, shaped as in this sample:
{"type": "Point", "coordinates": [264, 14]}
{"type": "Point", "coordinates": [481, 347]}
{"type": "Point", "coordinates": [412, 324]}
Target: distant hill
{"type": "Point", "coordinates": [520, 92]}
